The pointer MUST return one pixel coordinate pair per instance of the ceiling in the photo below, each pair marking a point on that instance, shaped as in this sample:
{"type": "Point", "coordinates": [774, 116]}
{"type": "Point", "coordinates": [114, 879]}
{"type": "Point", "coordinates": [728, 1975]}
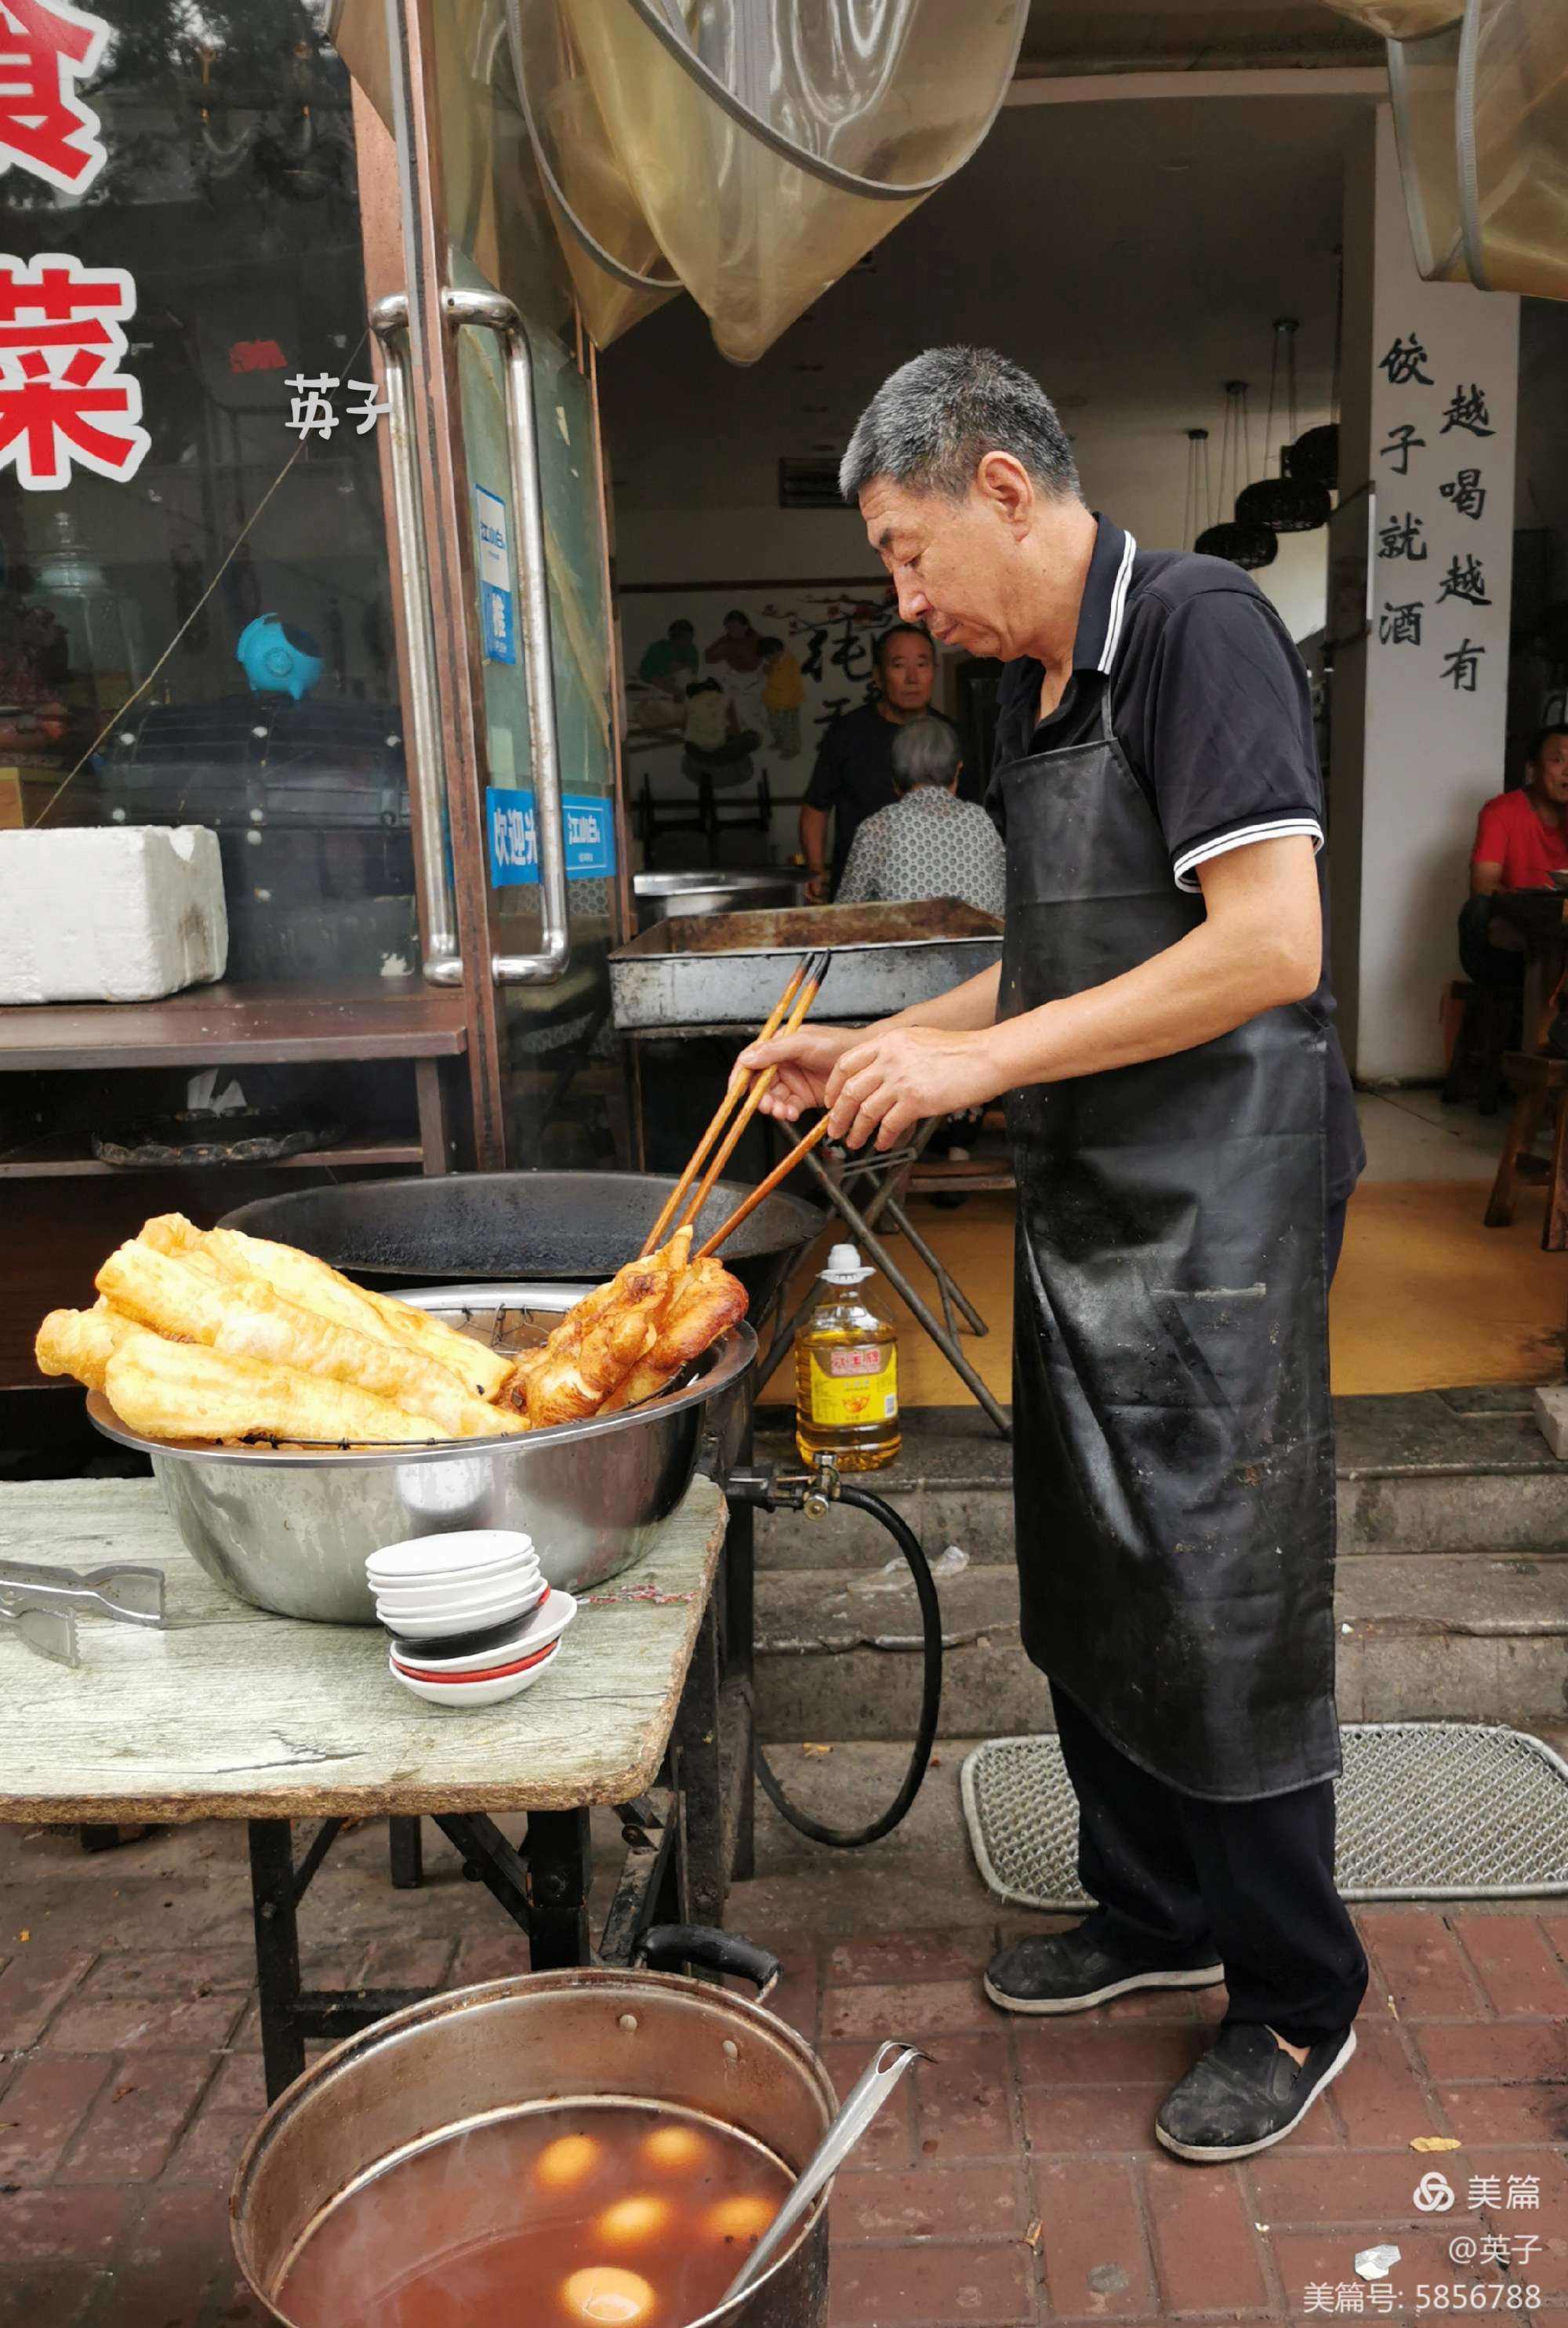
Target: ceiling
{"type": "Point", "coordinates": [1132, 254]}
{"type": "Point", "coordinates": [1076, 36]}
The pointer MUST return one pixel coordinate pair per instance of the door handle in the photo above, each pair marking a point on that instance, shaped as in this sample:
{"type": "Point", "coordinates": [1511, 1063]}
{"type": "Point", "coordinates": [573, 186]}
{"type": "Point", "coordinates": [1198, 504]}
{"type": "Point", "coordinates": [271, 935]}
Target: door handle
{"type": "Point", "coordinates": [441, 963]}
{"type": "Point", "coordinates": [490, 312]}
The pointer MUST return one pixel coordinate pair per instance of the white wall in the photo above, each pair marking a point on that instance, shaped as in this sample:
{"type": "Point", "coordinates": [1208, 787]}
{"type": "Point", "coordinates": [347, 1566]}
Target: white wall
{"type": "Point", "coordinates": [719, 545]}
{"type": "Point", "coordinates": [1414, 755]}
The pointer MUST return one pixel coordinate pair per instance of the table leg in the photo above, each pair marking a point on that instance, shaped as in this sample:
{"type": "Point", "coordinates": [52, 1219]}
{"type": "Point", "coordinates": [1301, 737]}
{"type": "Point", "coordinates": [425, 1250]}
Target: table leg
{"type": "Point", "coordinates": [737, 1688]}
{"type": "Point", "coordinates": [702, 1791]}
{"type": "Point", "coordinates": [430, 1100]}
{"type": "Point", "coordinates": [273, 1900]}
{"type": "Point", "coordinates": [559, 1866]}
{"type": "Point", "coordinates": [406, 1849]}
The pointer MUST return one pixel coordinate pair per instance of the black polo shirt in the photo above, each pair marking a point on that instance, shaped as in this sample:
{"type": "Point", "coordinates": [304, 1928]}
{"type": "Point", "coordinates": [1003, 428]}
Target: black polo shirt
{"type": "Point", "coordinates": [853, 776]}
{"type": "Point", "coordinates": [1210, 704]}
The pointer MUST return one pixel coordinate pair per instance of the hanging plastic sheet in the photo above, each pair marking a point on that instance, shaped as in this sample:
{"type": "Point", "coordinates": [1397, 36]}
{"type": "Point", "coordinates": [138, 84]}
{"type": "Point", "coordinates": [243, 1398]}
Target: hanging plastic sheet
{"type": "Point", "coordinates": [1400, 20]}
{"type": "Point", "coordinates": [618, 268]}
{"type": "Point", "coordinates": [768, 145]}
{"type": "Point", "coordinates": [1482, 113]}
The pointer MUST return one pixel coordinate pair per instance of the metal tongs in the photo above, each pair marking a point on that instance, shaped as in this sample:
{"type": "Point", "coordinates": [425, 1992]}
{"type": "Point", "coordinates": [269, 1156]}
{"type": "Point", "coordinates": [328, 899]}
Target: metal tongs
{"type": "Point", "coordinates": [43, 1603]}
{"type": "Point", "coordinates": [871, 2091]}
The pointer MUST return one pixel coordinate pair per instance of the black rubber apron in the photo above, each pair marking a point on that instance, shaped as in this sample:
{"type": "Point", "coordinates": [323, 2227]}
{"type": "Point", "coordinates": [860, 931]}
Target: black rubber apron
{"type": "Point", "coordinates": [1173, 1457]}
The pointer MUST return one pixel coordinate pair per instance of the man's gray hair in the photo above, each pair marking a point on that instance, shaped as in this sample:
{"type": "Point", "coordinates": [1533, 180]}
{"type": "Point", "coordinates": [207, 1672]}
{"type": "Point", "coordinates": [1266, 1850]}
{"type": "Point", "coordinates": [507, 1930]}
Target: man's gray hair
{"type": "Point", "coordinates": [925, 752]}
{"type": "Point", "coordinates": [932, 421]}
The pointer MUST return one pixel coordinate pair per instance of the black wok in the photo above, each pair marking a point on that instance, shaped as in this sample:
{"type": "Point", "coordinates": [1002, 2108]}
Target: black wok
{"type": "Point", "coordinates": [502, 1226]}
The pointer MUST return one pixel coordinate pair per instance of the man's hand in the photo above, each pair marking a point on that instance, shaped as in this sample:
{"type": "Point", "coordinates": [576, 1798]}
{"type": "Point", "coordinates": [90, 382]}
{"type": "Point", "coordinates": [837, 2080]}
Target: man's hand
{"type": "Point", "coordinates": [895, 1076]}
{"type": "Point", "coordinates": [804, 1060]}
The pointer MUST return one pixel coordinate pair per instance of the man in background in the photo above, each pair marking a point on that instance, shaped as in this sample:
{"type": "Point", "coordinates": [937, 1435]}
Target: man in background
{"type": "Point", "coordinates": [853, 777]}
{"type": "Point", "coordinates": [1521, 841]}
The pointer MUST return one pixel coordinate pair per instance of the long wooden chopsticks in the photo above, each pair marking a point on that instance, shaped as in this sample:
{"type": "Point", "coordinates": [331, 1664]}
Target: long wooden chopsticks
{"type": "Point", "coordinates": [786, 1015]}
{"type": "Point", "coordinates": [815, 967]}
{"type": "Point", "coordinates": [748, 1204]}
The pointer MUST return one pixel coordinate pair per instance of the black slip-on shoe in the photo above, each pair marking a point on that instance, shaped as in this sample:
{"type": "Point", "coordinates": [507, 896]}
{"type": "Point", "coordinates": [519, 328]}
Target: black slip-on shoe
{"type": "Point", "coordinates": [1246, 2093]}
{"type": "Point", "coordinates": [1068, 1971]}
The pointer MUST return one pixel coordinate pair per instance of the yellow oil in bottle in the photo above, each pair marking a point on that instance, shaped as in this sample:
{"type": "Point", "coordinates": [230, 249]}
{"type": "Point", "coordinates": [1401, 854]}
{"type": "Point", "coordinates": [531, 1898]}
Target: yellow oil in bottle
{"type": "Point", "coordinates": [847, 1373]}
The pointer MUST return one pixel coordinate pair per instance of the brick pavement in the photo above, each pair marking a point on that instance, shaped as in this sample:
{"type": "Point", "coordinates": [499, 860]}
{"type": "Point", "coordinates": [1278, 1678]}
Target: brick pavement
{"type": "Point", "coordinates": [1013, 2180]}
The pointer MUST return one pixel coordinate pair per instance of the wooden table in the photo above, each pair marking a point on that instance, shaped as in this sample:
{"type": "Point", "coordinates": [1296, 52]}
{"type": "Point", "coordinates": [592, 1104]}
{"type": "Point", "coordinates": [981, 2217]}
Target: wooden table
{"type": "Point", "coordinates": [234, 1713]}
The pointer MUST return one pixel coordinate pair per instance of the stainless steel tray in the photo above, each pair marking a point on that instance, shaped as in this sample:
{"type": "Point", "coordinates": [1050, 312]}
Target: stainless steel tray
{"type": "Point", "coordinates": [721, 970]}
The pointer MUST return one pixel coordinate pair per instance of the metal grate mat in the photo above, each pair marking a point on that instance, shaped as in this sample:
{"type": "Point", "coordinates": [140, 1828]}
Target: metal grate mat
{"type": "Point", "coordinates": [1427, 1811]}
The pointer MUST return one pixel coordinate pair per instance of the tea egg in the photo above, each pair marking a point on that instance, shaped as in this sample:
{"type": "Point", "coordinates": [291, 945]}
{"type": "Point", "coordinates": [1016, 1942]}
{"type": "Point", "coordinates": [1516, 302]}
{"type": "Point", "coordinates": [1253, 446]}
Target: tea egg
{"type": "Point", "coordinates": [565, 2162]}
{"type": "Point", "coordinates": [630, 2221]}
{"type": "Point", "coordinates": [674, 2146]}
{"type": "Point", "coordinates": [744, 2217]}
{"type": "Point", "coordinates": [608, 2297]}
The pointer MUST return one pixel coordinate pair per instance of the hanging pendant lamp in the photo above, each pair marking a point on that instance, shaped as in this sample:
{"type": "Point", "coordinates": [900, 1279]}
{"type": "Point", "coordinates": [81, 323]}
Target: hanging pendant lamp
{"type": "Point", "coordinates": [1199, 491]}
{"type": "Point", "coordinates": [1313, 458]}
{"type": "Point", "coordinates": [1285, 503]}
{"type": "Point", "coordinates": [1242, 544]}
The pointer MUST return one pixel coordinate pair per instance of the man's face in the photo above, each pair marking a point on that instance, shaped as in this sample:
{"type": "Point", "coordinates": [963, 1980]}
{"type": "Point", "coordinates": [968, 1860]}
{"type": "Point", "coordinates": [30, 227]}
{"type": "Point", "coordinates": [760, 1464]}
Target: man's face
{"type": "Point", "coordinates": [955, 565]}
{"type": "Point", "coordinates": [1550, 770]}
{"type": "Point", "coordinates": [906, 670]}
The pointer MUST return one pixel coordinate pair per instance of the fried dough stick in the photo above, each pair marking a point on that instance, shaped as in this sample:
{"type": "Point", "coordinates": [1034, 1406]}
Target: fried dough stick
{"type": "Point", "coordinates": [167, 1390]}
{"type": "Point", "coordinates": [573, 1381]}
{"type": "Point", "coordinates": [707, 1301]}
{"type": "Point", "coordinates": [582, 1361]}
{"type": "Point", "coordinates": [242, 1318]}
{"type": "Point", "coordinates": [81, 1342]}
{"type": "Point", "coordinates": [301, 1278]}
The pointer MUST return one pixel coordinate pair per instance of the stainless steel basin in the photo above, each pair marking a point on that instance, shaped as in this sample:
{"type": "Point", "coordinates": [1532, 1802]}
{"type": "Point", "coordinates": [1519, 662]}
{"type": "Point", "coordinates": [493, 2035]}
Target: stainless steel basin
{"type": "Point", "coordinates": [289, 1528]}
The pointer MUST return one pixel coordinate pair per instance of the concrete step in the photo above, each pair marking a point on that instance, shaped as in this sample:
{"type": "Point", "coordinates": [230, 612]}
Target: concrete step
{"type": "Point", "coordinates": [1458, 1635]}
{"type": "Point", "coordinates": [1456, 1470]}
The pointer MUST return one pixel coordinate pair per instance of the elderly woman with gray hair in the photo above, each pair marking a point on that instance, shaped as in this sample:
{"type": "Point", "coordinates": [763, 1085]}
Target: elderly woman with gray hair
{"type": "Point", "coordinates": [929, 843]}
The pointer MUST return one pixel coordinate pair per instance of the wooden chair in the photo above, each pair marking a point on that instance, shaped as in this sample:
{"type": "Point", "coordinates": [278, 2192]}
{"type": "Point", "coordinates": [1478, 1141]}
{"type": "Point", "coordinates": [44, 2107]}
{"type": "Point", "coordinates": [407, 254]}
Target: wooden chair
{"type": "Point", "coordinates": [1488, 1026]}
{"type": "Point", "coordinates": [1541, 1082]}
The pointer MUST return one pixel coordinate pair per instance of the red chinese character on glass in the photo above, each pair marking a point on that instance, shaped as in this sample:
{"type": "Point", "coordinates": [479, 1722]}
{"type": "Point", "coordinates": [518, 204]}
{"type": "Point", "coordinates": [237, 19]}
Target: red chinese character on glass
{"type": "Point", "coordinates": [63, 402]}
{"type": "Point", "coordinates": [45, 48]}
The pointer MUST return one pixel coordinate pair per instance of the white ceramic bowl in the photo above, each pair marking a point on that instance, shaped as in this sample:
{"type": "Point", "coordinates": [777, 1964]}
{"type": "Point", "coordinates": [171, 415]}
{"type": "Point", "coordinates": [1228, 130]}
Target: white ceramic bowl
{"type": "Point", "coordinates": [467, 1696]}
{"type": "Point", "coordinates": [419, 1600]}
{"type": "Point", "coordinates": [462, 1551]}
{"type": "Point", "coordinates": [543, 1627]}
{"type": "Point", "coordinates": [482, 1616]}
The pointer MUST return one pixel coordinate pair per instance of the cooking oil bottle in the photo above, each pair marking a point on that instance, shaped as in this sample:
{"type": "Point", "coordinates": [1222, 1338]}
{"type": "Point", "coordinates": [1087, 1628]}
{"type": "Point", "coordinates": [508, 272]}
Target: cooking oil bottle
{"type": "Point", "coordinates": [847, 1372]}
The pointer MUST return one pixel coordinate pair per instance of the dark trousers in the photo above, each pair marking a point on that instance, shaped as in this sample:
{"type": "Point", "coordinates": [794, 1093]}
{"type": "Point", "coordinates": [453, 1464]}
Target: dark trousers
{"type": "Point", "coordinates": [1178, 1878]}
{"type": "Point", "coordinates": [1479, 959]}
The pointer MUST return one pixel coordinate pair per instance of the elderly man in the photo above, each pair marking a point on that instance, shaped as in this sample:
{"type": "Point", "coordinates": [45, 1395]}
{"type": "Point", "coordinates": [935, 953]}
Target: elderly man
{"type": "Point", "coordinates": [853, 776]}
{"type": "Point", "coordinates": [1183, 1142]}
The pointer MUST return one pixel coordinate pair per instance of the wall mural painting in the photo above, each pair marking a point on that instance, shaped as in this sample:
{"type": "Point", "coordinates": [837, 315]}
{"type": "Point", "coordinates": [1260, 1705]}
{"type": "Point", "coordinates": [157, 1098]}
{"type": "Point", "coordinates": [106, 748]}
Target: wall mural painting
{"type": "Point", "coordinates": [746, 675]}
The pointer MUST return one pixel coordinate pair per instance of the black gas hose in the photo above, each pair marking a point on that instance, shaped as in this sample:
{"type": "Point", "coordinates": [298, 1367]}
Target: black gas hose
{"type": "Point", "coordinates": [763, 1489]}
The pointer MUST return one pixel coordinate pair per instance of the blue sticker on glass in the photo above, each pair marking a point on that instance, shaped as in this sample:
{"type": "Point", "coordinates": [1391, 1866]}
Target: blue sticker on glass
{"type": "Point", "coordinates": [495, 609]}
{"type": "Point", "coordinates": [590, 837]}
{"type": "Point", "coordinates": [590, 829]}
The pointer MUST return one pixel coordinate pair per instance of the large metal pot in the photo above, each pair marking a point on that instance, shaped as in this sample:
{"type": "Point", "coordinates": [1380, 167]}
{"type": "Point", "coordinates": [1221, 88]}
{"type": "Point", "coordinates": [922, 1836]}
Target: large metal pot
{"type": "Point", "coordinates": [535, 2041]}
{"type": "Point", "coordinates": [509, 1226]}
{"type": "Point", "coordinates": [289, 1528]}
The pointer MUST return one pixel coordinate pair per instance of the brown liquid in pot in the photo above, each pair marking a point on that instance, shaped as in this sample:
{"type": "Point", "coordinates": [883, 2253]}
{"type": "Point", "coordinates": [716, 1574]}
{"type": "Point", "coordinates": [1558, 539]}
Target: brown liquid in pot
{"type": "Point", "coordinates": [598, 2215]}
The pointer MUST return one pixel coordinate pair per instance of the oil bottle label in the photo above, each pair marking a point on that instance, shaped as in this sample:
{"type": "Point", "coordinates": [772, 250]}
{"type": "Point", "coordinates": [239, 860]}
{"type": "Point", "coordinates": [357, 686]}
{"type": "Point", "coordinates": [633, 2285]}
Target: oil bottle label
{"type": "Point", "coordinates": [852, 1387]}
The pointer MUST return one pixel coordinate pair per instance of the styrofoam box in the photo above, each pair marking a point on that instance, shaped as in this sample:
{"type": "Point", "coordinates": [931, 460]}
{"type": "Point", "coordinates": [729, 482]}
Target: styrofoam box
{"type": "Point", "coordinates": [109, 914]}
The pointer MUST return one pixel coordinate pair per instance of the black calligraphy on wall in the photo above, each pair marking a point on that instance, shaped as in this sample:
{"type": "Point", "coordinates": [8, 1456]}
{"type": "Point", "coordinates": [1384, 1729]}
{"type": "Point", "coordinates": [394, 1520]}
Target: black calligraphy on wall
{"type": "Point", "coordinates": [1423, 402]}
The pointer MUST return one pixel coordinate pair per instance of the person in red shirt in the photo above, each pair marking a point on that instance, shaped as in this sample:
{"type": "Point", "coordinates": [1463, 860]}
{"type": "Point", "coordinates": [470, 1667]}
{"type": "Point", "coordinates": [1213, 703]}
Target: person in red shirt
{"type": "Point", "coordinates": [1521, 841]}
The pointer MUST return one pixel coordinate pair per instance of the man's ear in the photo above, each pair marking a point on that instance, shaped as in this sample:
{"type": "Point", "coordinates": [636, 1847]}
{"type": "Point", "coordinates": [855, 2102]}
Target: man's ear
{"type": "Point", "coordinates": [1007, 488]}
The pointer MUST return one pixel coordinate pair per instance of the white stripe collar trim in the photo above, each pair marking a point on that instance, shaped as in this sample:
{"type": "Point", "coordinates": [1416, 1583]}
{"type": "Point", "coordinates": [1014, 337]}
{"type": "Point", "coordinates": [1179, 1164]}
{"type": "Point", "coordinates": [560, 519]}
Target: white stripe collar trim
{"type": "Point", "coordinates": [1118, 605]}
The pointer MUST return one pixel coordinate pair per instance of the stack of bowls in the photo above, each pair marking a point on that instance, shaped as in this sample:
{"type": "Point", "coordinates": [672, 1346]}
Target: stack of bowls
{"type": "Point", "coordinates": [471, 1617]}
